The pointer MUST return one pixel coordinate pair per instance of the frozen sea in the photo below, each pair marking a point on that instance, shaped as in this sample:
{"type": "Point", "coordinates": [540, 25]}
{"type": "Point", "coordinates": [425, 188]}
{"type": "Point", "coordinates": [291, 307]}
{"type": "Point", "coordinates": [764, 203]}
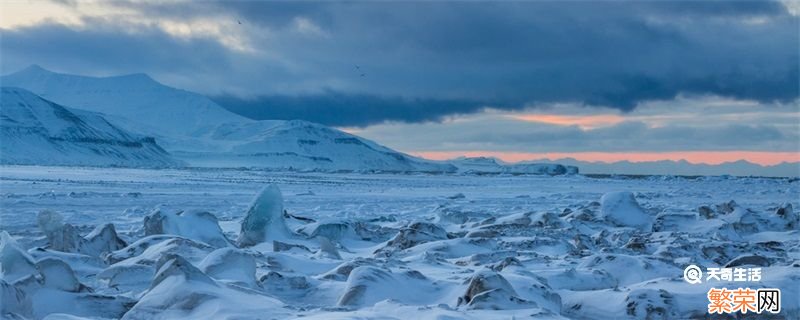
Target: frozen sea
{"type": "Point", "coordinates": [413, 246]}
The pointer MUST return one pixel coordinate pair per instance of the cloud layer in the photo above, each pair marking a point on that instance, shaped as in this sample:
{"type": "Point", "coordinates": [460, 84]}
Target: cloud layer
{"type": "Point", "coordinates": [600, 79]}
{"type": "Point", "coordinates": [690, 124]}
{"type": "Point", "coordinates": [422, 61]}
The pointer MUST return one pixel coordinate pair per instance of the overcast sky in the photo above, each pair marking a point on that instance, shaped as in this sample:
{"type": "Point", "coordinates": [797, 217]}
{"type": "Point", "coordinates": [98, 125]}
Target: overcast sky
{"type": "Point", "coordinates": [510, 79]}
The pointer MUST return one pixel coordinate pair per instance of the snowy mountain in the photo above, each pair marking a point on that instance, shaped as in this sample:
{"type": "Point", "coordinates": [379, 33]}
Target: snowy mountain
{"type": "Point", "coordinates": [308, 145]}
{"type": "Point", "coordinates": [36, 131]}
{"type": "Point", "coordinates": [302, 145]}
{"type": "Point", "coordinates": [202, 133]}
{"type": "Point", "coordinates": [483, 165]}
{"type": "Point", "coordinates": [154, 107]}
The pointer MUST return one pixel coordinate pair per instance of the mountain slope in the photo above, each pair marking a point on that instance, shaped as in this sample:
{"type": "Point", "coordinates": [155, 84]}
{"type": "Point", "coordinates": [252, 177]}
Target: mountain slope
{"type": "Point", "coordinates": [36, 131]}
{"type": "Point", "coordinates": [157, 108]}
{"type": "Point", "coordinates": [197, 130]}
{"type": "Point", "coordinates": [303, 144]}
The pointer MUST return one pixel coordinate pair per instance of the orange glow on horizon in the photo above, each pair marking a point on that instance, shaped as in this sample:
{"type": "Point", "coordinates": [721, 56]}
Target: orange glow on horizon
{"type": "Point", "coordinates": [585, 122]}
{"type": "Point", "coordinates": [763, 158]}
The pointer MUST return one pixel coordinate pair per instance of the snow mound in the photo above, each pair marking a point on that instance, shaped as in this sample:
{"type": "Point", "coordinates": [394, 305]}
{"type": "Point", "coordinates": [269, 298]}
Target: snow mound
{"type": "Point", "coordinates": [57, 274]}
{"type": "Point", "coordinates": [60, 236]}
{"type": "Point", "coordinates": [14, 303]}
{"type": "Point", "coordinates": [278, 246]}
{"type": "Point", "coordinates": [180, 290]}
{"type": "Point", "coordinates": [533, 288]}
{"type": "Point", "coordinates": [101, 240]}
{"type": "Point", "coordinates": [15, 263]}
{"type": "Point", "coordinates": [264, 219]}
{"type": "Point", "coordinates": [194, 224]}
{"type": "Point", "coordinates": [621, 208]}
{"type": "Point", "coordinates": [134, 266]}
{"type": "Point", "coordinates": [789, 217]}
{"type": "Point", "coordinates": [581, 280]}
{"type": "Point", "coordinates": [650, 304]}
{"type": "Point", "coordinates": [627, 269]}
{"type": "Point", "coordinates": [327, 249]}
{"type": "Point", "coordinates": [136, 248]}
{"type": "Point", "coordinates": [748, 260]}
{"type": "Point", "coordinates": [277, 283]}
{"type": "Point", "coordinates": [342, 271]}
{"type": "Point", "coordinates": [457, 215]}
{"type": "Point", "coordinates": [149, 250]}
{"type": "Point", "coordinates": [129, 278]}
{"type": "Point", "coordinates": [230, 264]}
{"type": "Point", "coordinates": [367, 285]}
{"type": "Point", "coordinates": [489, 290]}
{"type": "Point", "coordinates": [334, 230]}
{"type": "Point", "coordinates": [674, 221]}
{"type": "Point", "coordinates": [49, 286]}
{"type": "Point", "coordinates": [64, 237]}
{"type": "Point", "coordinates": [172, 265]}
{"type": "Point", "coordinates": [415, 234]}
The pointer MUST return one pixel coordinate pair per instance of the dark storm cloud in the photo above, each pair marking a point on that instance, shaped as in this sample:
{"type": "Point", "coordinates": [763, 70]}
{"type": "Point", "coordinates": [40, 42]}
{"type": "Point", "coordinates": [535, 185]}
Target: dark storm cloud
{"type": "Point", "coordinates": [513, 54]}
{"type": "Point", "coordinates": [109, 49]}
{"type": "Point", "coordinates": [447, 58]}
{"type": "Point", "coordinates": [340, 109]}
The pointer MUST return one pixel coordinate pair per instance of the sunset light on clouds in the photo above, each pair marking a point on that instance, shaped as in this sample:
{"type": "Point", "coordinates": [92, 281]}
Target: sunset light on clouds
{"type": "Point", "coordinates": [698, 129]}
{"type": "Point", "coordinates": [584, 122]}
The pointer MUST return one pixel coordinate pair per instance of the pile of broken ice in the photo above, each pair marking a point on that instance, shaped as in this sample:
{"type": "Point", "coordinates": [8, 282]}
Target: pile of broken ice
{"type": "Point", "coordinates": [610, 258]}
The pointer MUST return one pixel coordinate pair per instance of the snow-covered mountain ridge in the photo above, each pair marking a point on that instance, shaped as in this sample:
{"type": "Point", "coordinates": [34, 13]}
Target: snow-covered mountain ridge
{"type": "Point", "coordinates": [202, 133]}
{"type": "Point", "coordinates": [37, 131]}
{"type": "Point", "coordinates": [137, 97]}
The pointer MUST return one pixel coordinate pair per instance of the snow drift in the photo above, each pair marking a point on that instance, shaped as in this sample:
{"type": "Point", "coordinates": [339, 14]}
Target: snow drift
{"type": "Point", "coordinates": [622, 209]}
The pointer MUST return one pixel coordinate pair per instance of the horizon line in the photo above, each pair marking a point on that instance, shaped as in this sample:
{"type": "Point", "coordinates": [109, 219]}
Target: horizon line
{"type": "Point", "coordinates": [761, 158]}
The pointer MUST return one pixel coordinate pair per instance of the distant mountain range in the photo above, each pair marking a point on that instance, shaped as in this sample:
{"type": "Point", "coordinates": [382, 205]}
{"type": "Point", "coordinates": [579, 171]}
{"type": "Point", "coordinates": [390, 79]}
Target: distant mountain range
{"type": "Point", "coordinates": [681, 167]}
{"type": "Point", "coordinates": [489, 165]}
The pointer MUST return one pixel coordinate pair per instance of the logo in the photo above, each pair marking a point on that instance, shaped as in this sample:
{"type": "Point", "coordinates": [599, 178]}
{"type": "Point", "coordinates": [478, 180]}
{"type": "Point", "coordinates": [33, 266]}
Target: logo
{"type": "Point", "coordinates": [692, 274]}
{"type": "Point", "coordinates": [769, 300]}
{"type": "Point", "coordinates": [744, 300]}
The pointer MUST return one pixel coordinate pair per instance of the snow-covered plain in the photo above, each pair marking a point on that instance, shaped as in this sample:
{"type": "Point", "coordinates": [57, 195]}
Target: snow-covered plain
{"type": "Point", "coordinates": [382, 245]}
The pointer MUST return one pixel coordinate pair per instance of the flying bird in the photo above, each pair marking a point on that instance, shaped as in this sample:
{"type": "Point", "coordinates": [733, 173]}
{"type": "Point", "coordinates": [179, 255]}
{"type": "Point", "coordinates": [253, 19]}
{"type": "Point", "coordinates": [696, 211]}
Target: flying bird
{"type": "Point", "coordinates": [239, 21]}
{"type": "Point", "coordinates": [362, 74]}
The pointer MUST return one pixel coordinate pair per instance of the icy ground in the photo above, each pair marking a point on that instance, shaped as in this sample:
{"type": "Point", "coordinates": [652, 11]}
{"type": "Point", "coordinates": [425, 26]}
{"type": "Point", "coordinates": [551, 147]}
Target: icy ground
{"type": "Point", "coordinates": [214, 244]}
